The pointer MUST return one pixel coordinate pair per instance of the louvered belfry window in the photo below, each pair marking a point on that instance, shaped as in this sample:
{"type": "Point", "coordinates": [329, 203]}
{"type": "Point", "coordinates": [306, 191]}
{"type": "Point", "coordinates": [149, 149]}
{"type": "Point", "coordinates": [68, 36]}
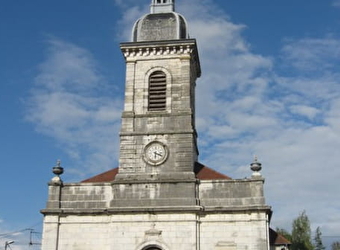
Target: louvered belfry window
{"type": "Point", "coordinates": [157, 91]}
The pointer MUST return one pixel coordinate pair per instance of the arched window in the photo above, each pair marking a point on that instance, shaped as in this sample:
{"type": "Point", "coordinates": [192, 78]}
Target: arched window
{"type": "Point", "coordinates": [152, 248]}
{"type": "Point", "coordinates": [157, 91]}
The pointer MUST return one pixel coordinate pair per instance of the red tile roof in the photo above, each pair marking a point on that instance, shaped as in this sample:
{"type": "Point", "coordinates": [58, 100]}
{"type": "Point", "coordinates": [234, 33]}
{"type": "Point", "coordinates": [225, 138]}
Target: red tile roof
{"type": "Point", "coordinates": [277, 239]}
{"type": "Point", "coordinates": [202, 172]}
{"type": "Point", "coordinates": [107, 176]}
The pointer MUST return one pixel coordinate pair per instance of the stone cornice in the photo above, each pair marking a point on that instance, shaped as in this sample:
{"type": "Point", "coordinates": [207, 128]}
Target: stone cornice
{"type": "Point", "coordinates": [168, 132]}
{"type": "Point", "coordinates": [138, 50]}
{"type": "Point", "coordinates": [158, 50]}
{"type": "Point", "coordinates": [180, 209]}
{"type": "Point", "coordinates": [149, 114]}
{"type": "Point", "coordinates": [164, 43]}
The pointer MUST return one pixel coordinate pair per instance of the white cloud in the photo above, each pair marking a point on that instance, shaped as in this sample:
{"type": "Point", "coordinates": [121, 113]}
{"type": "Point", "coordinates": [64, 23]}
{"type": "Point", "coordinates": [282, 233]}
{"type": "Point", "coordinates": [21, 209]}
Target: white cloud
{"type": "Point", "coordinates": [132, 10]}
{"type": "Point", "coordinates": [125, 4]}
{"type": "Point", "coordinates": [332, 118]}
{"type": "Point", "coordinates": [68, 66]}
{"type": "Point", "coordinates": [303, 110]}
{"type": "Point", "coordinates": [73, 103]}
{"type": "Point", "coordinates": [336, 3]}
{"type": "Point", "coordinates": [313, 54]}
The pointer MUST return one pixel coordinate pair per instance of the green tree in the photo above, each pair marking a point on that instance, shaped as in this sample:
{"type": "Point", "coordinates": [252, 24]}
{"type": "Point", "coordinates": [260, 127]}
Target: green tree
{"type": "Point", "coordinates": [336, 245]}
{"type": "Point", "coordinates": [318, 245]}
{"type": "Point", "coordinates": [301, 233]}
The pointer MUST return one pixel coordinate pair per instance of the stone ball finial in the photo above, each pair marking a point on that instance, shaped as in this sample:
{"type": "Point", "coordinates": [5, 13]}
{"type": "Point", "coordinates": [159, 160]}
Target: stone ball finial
{"type": "Point", "coordinates": [256, 167]}
{"type": "Point", "coordinates": [56, 181]}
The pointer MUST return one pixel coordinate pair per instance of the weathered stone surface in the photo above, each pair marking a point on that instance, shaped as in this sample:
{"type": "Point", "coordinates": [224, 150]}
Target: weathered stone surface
{"type": "Point", "coordinates": [160, 26]}
{"type": "Point", "coordinates": [174, 126]}
{"type": "Point", "coordinates": [242, 194]}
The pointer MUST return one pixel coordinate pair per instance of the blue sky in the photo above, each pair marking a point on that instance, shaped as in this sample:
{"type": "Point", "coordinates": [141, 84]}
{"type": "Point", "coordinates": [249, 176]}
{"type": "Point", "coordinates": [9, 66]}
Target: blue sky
{"type": "Point", "coordinates": [270, 87]}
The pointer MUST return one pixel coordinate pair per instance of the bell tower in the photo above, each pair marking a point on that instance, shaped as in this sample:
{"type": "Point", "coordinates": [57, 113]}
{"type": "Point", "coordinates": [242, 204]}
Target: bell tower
{"type": "Point", "coordinates": [158, 138]}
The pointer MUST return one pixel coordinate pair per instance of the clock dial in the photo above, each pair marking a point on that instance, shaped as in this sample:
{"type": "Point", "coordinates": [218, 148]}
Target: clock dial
{"type": "Point", "coordinates": [155, 153]}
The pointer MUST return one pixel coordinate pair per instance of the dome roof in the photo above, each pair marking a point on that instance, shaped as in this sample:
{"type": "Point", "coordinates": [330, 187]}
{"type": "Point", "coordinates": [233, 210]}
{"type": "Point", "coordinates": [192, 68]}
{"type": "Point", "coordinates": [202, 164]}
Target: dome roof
{"type": "Point", "coordinates": [160, 25]}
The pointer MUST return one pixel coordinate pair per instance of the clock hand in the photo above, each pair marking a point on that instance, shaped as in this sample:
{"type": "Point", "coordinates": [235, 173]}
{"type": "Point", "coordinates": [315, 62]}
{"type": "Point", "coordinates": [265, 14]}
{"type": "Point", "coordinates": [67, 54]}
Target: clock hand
{"type": "Point", "coordinates": [156, 153]}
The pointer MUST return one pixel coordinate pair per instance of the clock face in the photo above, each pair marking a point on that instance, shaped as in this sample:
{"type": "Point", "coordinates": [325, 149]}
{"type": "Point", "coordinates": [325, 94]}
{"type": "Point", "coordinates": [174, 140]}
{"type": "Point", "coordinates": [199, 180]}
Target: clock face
{"type": "Point", "coordinates": [155, 153]}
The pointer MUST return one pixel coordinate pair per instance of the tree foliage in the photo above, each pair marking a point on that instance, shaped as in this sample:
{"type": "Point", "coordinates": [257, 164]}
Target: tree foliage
{"type": "Point", "coordinates": [301, 233]}
{"type": "Point", "coordinates": [318, 245]}
{"type": "Point", "coordinates": [336, 245]}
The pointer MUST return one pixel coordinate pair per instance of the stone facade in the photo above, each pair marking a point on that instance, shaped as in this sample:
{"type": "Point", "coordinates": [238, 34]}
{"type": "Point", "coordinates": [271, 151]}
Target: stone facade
{"type": "Point", "coordinates": [164, 230]}
{"type": "Point", "coordinates": [161, 198]}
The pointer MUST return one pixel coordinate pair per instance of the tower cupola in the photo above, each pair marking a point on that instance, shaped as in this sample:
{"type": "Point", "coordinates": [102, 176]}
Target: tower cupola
{"type": "Point", "coordinates": [162, 23]}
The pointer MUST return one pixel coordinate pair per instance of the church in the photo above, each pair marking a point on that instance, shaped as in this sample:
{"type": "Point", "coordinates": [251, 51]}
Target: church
{"type": "Point", "coordinates": [160, 197]}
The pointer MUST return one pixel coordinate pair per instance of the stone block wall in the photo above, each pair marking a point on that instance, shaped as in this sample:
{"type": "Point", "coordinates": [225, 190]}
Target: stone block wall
{"type": "Point", "coordinates": [181, 215]}
{"type": "Point", "coordinates": [232, 193]}
{"type": "Point", "coordinates": [80, 196]}
{"type": "Point", "coordinates": [234, 230]}
{"type": "Point", "coordinates": [123, 231]}
{"type": "Point", "coordinates": [181, 153]}
{"type": "Point", "coordinates": [176, 231]}
{"type": "Point", "coordinates": [154, 194]}
{"type": "Point", "coordinates": [243, 194]}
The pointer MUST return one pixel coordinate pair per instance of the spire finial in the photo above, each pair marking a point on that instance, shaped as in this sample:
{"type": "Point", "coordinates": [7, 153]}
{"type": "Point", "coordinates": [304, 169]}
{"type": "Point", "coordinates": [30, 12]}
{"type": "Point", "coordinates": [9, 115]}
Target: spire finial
{"type": "Point", "coordinates": [256, 167]}
{"type": "Point", "coordinates": [57, 170]}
